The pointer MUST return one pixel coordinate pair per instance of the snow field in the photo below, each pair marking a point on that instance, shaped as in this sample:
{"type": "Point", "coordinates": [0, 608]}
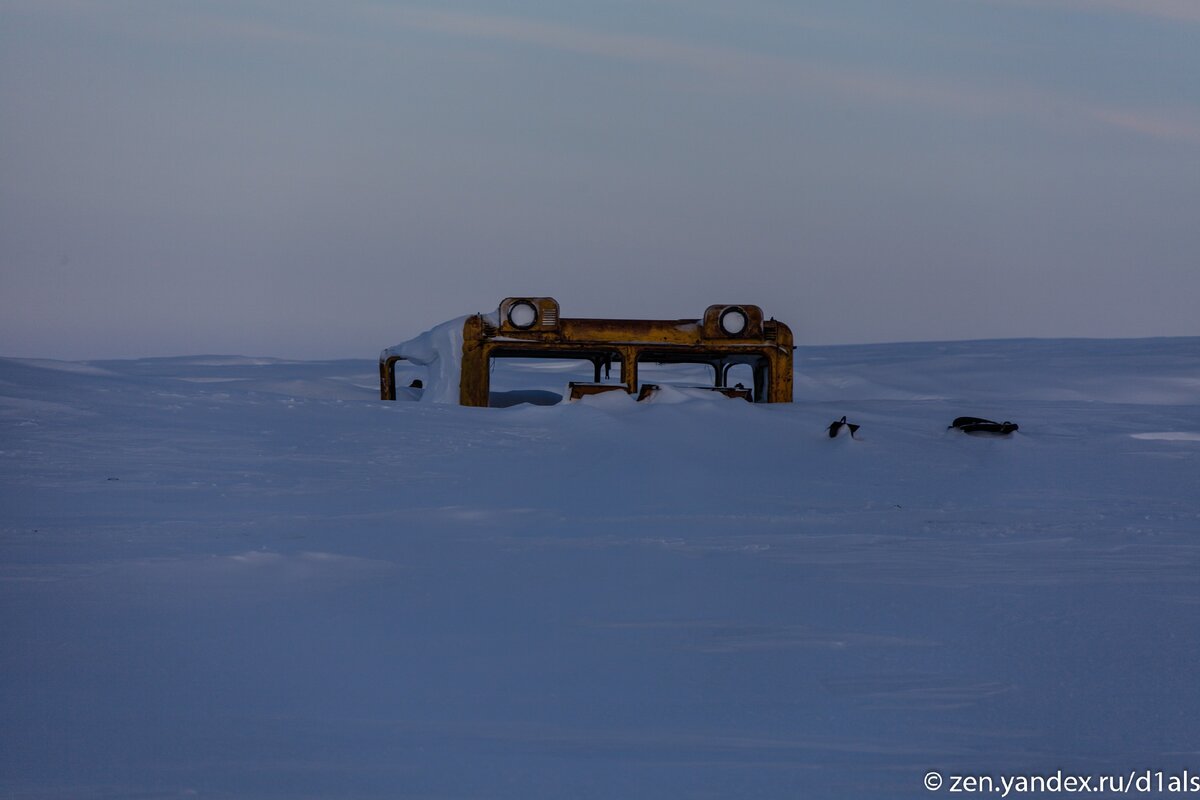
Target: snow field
{"type": "Point", "coordinates": [250, 578]}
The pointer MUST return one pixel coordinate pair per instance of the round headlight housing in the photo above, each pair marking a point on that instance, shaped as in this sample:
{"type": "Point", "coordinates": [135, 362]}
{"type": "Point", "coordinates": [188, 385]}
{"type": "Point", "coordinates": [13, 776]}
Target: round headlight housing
{"type": "Point", "coordinates": [734, 321]}
{"type": "Point", "coordinates": [522, 314]}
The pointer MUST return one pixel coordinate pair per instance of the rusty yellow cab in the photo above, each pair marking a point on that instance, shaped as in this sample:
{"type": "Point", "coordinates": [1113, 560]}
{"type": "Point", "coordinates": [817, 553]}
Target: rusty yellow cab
{"type": "Point", "coordinates": [532, 327]}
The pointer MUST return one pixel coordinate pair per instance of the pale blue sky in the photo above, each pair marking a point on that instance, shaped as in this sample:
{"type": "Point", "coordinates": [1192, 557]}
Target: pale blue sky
{"type": "Point", "coordinates": [304, 179]}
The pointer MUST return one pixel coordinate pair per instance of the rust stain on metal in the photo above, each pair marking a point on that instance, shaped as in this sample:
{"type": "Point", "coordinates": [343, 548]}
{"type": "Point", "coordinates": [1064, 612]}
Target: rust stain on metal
{"type": "Point", "coordinates": [532, 327]}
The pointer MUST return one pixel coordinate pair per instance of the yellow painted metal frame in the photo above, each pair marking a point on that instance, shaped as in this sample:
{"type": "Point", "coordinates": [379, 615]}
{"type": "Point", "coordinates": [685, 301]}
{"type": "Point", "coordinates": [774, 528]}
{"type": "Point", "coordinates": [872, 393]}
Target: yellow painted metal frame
{"type": "Point", "coordinates": [531, 327]}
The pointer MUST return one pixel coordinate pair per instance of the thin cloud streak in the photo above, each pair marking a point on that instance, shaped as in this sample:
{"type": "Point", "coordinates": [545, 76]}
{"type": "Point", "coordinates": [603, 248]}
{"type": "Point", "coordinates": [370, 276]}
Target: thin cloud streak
{"type": "Point", "coordinates": [774, 71]}
{"type": "Point", "coordinates": [1147, 124]}
{"type": "Point", "coordinates": [1178, 10]}
{"type": "Point", "coordinates": [574, 40]}
{"type": "Point", "coordinates": [753, 69]}
{"type": "Point", "coordinates": [1171, 10]}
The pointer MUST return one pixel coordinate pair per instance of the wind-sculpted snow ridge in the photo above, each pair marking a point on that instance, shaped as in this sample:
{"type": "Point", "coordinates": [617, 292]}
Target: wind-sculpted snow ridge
{"type": "Point", "coordinates": [251, 578]}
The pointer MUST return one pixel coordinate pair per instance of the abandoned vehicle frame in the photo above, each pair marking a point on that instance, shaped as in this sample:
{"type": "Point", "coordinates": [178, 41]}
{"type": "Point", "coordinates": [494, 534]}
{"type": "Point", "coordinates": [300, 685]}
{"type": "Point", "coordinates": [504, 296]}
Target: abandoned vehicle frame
{"type": "Point", "coordinates": [531, 327]}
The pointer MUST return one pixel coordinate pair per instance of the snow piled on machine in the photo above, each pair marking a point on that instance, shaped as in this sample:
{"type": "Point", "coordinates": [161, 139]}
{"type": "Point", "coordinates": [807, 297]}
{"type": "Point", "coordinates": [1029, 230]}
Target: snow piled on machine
{"type": "Point", "coordinates": [439, 350]}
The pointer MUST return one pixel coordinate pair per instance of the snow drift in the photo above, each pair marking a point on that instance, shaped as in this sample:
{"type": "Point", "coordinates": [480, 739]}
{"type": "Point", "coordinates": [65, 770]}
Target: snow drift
{"type": "Point", "coordinates": [439, 350]}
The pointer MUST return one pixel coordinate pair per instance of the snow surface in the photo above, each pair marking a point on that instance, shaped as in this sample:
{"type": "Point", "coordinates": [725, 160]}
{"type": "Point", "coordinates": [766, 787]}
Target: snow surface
{"type": "Point", "coordinates": [248, 578]}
